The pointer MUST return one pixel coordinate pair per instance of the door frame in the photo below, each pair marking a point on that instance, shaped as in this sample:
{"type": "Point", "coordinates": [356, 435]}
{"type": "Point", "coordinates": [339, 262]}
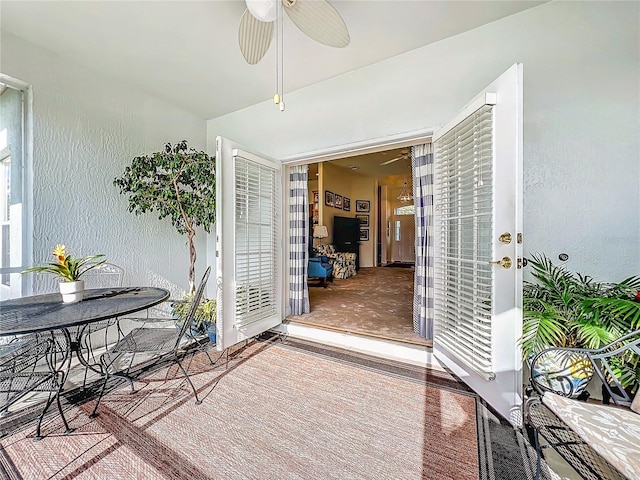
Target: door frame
{"type": "Point", "coordinates": [346, 150]}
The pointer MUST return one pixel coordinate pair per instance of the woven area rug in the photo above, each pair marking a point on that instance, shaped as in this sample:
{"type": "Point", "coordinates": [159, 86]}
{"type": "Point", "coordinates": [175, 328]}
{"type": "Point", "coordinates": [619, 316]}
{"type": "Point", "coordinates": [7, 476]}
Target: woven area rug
{"type": "Point", "coordinates": [279, 410]}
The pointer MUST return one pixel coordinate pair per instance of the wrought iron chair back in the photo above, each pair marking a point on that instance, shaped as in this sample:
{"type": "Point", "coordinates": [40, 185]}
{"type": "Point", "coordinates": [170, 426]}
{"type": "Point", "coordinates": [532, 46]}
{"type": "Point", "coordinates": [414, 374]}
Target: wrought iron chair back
{"type": "Point", "coordinates": [103, 276]}
{"type": "Point", "coordinates": [609, 358]}
{"type": "Point", "coordinates": [160, 341]}
{"type": "Point", "coordinates": [191, 313]}
{"type": "Point", "coordinates": [30, 364]}
{"type": "Point", "coordinates": [18, 362]}
{"type": "Point", "coordinates": [565, 371]}
{"type": "Point", "coordinates": [568, 371]}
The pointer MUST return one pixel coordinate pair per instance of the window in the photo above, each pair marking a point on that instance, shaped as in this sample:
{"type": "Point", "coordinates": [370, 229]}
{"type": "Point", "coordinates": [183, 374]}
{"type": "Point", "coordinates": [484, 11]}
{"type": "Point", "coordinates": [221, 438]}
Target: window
{"type": "Point", "coordinates": [5, 202]}
{"type": "Point", "coordinates": [405, 210]}
{"type": "Point", "coordinates": [13, 173]}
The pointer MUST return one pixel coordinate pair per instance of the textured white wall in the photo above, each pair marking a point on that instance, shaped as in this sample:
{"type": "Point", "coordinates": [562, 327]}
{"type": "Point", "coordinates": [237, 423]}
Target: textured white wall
{"type": "Point", "coordinates": [581, 119]}
{"type": "Point", "coordinates": [86, 130]}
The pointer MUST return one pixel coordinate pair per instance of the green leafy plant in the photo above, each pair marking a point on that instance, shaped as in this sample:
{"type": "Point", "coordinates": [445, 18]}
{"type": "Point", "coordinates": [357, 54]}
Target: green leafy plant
{"type": "Point", "coordinates": [179, 183]}
{"type": "Point", "coordinates": [566, 309]}
{"type": "Point", "coordinates": [205, 313]}
{"type": "Point", "coordinates": [66, 267]}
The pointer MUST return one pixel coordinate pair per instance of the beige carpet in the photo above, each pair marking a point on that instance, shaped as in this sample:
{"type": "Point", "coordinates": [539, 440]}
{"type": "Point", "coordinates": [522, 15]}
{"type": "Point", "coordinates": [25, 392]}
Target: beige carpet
{"type": "Point", "coordinates": [276, 413]}
{"type": "Point", "coordinates": [377, 302]}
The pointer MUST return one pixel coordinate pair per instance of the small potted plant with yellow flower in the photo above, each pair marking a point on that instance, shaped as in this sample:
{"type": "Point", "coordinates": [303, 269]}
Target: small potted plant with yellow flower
{"type": "Point", "coordinates": [69, 270]}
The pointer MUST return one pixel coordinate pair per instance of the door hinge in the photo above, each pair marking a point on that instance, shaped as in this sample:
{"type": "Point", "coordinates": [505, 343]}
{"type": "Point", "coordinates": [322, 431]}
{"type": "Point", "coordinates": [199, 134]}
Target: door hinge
{"type": "Point", "coordinates": [519, 262]}
{"type": "Point", "coordinates": [519, 238]}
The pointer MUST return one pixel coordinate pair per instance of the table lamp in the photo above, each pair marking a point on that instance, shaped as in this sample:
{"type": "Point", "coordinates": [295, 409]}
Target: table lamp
{"type": "Point", "coordinates": [320, 231]}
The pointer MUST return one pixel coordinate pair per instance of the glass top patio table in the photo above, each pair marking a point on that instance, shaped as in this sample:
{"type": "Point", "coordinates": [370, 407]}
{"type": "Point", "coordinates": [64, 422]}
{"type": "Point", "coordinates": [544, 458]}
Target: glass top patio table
{"type": "Point", "coordinates": [41, 313]}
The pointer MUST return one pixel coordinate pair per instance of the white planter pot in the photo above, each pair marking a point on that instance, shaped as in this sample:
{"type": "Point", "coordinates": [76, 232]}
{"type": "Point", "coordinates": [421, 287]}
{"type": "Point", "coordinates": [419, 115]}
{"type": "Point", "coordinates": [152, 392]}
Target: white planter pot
{"type": "Point", "coordinates": [72, 291]}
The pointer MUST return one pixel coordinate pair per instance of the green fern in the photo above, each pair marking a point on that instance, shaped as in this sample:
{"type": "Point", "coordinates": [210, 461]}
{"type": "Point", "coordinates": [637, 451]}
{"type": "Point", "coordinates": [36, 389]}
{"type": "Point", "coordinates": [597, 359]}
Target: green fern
{"type": "Point", "coordinates": [562, 308]}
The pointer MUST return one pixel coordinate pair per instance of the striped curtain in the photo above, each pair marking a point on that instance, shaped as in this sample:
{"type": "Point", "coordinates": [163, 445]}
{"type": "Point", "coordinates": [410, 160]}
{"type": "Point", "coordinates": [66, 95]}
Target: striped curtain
{"type": "Point", "coordinates": [422, 169]}
{"type": "Point", "coordinates": [298, 239]}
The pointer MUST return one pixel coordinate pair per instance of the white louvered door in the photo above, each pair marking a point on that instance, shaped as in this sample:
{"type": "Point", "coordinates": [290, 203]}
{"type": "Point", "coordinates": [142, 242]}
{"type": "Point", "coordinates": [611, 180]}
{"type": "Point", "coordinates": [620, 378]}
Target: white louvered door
{"type": "Point", "coordinates": [248, 243]}
{"type": "Point", "coordinates": [478, 198]}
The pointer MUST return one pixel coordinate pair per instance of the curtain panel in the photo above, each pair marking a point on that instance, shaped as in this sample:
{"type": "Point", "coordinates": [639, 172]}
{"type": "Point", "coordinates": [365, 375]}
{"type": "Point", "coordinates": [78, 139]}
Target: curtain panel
{"type": "Point", "coordinates": [423, 290]}
{"type": "Point", "coordinates": [298, 239]}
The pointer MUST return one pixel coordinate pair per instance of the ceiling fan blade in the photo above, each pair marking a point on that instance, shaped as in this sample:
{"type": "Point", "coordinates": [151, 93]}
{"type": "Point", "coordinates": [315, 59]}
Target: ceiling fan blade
{"type": "Point", "coordinates": [254, 37]}
{"type": "Point", "coordinates": [320, 21]}
{"type": "Point", "coordinates": [393, 160]}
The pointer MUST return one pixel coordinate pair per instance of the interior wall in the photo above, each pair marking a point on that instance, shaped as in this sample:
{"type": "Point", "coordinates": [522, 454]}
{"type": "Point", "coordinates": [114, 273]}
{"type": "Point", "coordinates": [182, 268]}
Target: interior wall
{"type": "Point", "coordinates": [87, 129]}
{"type": "Point", "coordinates": [312, 186]}
{"type": "Point", "coordinates": [337, 180]}
{"type": "Point", "coordinates": [342, 181]}
{"type": "Point", "coordinates": [581, 119]}
{"type": "Point", "coordinates": [366, 188]}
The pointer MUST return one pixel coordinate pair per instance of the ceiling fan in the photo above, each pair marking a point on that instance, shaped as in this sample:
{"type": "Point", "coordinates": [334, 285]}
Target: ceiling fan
{"type": "Point", "coordinates": [404, 155]}
{"type": "Point", "coordinates": [317, 19]}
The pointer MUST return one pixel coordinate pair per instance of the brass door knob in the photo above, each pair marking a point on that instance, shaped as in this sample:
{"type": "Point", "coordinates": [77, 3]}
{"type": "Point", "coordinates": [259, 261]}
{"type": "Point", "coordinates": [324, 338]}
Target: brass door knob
{"type": "Point", "coordinates": [504, 262]}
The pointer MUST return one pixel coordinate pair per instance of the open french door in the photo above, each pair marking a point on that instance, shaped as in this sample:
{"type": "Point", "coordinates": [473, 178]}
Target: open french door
{"type": "Point", "coordinates": [478, 244]}
{"type": "Point", "coordinates": [248, 243]}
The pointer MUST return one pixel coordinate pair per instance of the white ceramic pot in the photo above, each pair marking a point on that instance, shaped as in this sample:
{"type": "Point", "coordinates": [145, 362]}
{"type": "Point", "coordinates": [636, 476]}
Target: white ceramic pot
{"type": "Point", "coordinates": [72, 291]}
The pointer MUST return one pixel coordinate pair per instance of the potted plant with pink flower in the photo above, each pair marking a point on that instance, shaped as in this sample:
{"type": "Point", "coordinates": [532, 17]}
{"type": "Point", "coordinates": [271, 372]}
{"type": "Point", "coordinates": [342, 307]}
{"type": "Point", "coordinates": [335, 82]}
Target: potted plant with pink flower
{"type": "Point", "coordinates": [69, 269]}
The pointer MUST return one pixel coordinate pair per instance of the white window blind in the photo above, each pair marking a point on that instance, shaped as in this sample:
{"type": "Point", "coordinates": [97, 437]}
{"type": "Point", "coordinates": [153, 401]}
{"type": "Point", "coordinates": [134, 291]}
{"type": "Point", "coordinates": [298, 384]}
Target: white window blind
{"type": "Point", "coordinates": [256, 220]}
{"type": "Point", "coordinates": [464, 213]}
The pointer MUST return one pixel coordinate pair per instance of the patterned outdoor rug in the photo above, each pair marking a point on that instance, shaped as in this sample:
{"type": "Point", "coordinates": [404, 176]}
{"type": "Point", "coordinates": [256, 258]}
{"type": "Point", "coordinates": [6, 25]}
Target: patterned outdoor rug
{"type": "Point", "coordinates": [280, 410]}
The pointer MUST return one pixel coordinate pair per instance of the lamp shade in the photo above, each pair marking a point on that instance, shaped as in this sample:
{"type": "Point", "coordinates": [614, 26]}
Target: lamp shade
{"type": "Point", "coordinates": [320, 231]}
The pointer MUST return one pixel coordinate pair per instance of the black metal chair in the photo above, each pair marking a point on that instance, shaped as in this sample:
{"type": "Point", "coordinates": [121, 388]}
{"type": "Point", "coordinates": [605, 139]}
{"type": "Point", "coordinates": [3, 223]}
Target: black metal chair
{"type": "Point", "coordinates": [104, 275]}
{"type": "Point", "coordinates": [30, 364]}
{"type": "Point", "coordinates": [567, 372]}
{"type": "Point", "coordinates": [159, 341]}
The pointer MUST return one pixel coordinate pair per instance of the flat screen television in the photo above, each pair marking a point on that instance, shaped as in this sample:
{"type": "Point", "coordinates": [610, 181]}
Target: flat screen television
{"type": "Point", "coordinates": [346, 236]}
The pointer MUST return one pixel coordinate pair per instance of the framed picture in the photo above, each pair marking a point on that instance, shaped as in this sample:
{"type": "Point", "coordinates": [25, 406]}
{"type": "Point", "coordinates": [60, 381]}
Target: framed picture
{"type": "Point", "coordinates": [328, 198]}
{"type": "Point", "coordinates": [338, 201]}
{"type": "Point", "coordinates": [346, 204]}
{"type": "Point", "coordinates": [315, 196]}
{"type": "Point", "coordinates": [363, 205]}
{"type": "Point", "coordinates": [364, 220]}
{"type": "Point", "coordinates": [364, 234]}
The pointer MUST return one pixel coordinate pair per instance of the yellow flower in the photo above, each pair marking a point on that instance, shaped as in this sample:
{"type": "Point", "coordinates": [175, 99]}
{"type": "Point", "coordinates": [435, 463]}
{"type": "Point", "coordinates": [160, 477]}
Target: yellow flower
{"type": "Point", "coordinates": [60, 253]}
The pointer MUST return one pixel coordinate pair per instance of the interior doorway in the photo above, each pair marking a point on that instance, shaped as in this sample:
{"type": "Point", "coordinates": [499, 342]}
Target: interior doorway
{"type": "Point", "coordinates": [378, 300]}
{"type": "Point", "coordinates": [403, 248]}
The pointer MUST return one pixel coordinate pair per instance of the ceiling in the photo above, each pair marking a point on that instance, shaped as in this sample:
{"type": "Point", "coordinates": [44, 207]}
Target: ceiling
{"type": "Point", "coordinates": [369, 165]}
{"type": "Point", "coordinates": [187, 53]}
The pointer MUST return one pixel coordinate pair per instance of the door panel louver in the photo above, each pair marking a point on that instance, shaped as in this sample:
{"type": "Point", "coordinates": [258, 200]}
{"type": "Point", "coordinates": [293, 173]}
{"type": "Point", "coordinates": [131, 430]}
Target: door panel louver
{"type": "Point", "coordinates": [464, 210]}
{"type": "Point", "coordinates": [256, 223]}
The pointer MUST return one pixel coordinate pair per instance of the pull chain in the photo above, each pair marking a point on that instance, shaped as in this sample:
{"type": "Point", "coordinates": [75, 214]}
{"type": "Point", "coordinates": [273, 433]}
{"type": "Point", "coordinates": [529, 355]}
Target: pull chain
{"type": "Point", "coordinates": [278, 98]}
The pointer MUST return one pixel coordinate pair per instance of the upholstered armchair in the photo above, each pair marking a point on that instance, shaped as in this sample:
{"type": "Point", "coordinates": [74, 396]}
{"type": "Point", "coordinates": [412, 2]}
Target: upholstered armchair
{"type": "Point", "coordinates": [344, 264]}
{"type": "Point", "coordinates": [320, 267]}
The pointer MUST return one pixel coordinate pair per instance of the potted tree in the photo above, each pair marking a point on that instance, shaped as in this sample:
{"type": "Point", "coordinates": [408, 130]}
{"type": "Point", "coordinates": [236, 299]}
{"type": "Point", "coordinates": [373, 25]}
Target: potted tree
{"type": "Point", "coordinates": [179, 183]}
